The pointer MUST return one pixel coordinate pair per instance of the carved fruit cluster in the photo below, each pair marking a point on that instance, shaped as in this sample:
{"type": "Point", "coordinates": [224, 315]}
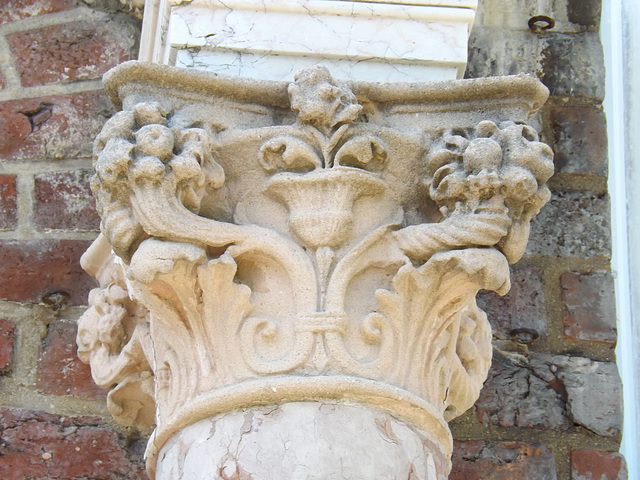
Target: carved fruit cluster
{"type": "Point", "coordinates": [493, 171]}
{"type": "Point", "coordinates": [509, 161]}
{"type": "Point", "coordinates": [139, 148]}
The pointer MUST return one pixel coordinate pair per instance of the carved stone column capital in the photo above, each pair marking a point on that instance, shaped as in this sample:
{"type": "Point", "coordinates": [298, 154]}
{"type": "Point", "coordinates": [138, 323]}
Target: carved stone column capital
{"type": "Point", "coordinates": [270, 247]}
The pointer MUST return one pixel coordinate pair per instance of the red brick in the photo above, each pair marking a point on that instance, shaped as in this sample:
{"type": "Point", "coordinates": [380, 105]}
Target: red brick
{"type": "Point", "coordinates": [478, 460]}
{"type": "Point", "coordinates": [580, 140]}
{"type": "Point", "coordinates": [39, 445]}
{"type": "Point", "coordinates": [60, 371]}
{"type": "Point", "coordinates": [71, 51]}
{"type": "Point", "coordinates": [12, 10]}
{"type": "Point", "coordinates": [7, 338]}
{"type": "Point", "coordinates": [31, 271]}
{"type": "Point", "coordinates": [588, 306]}
{"type": "Point", "coordinates": [521, 313]}
{"type": "Point", "coordinates": [15, 128]}
{"type": "Point", "coordinates": [8, 202]}
{"type": "Point", "coordinates": [52, 127]}
{"type": "Point", "coordinates": [597, 465]}
{"type": "Point", "coordinates": [64, 200]}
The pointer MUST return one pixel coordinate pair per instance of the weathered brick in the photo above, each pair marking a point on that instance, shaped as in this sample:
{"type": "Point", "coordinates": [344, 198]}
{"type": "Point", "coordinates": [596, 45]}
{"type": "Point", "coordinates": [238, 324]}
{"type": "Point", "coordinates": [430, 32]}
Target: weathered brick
{"type": "Point", "coordinates": [588, 306]}
{"type": "Point", "coordinates": [568, 64]}
{"type": "Point", "coordinates": [60, 371]}
{"type": "Point", "coordinates": [478, 460]}
{"type": "Point", "coordinates": [39, 445]}
{"type": "Point", "coordinates": [72, 51]}
{"type": "Point", "coordinates": [499, 51]}
{"type": "Point", "coordinates": [517, 395]}
{"type": "Point", "coordinates": [18, 9]}
{"type": "Point", "coordinates": [8, 202]}
{"type": "Point", "coordinates": [552, 391]}
{"type": "Point", "coordinates": [52, 127]}
{"type": "Point", "coordinates": [521, 313]}
{"type": "Point", "coordinates": [574, 65]}
{"type": "Point", "coordinates": [572, 224]}
{"type": "Point", "coordinates": [7, 338]}
{"type": "Point", "coordinates": [580, 140]}
{"type": "Point", "coordinates": [597, 465]}
{"type": "Point", "coordinates": [32, 270]}
{"type": "Point", "coordinates": [516, 14]}
{"type": "Point", "coordinates": [585, 12]}
{"type": "Point", "coordinates": [64, 200]}
{"type": "Point", "coordinates": [15, 128]}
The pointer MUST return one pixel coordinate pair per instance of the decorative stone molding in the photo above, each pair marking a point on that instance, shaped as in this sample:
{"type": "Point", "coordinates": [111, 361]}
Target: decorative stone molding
{"type": "Point", "coordinates": [271, 247]}
{"type": "Point", "coordinates": [389, 40]}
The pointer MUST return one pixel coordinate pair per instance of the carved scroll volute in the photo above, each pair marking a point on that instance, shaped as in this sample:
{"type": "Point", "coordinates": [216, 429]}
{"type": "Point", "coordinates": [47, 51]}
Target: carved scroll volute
{"type": "Point", "coordinates": [328, 299]}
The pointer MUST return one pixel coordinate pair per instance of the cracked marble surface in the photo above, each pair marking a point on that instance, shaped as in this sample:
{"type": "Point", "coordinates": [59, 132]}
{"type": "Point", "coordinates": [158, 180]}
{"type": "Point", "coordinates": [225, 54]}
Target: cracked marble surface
{"type": "Point", "coordinates": [301, 441]}
{"type": "Point", "coordinates": [357, 40]}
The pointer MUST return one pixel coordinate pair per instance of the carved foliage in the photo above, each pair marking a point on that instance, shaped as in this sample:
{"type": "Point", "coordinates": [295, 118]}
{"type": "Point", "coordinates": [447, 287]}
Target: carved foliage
{"type": "Point", "coordinates": [114, 338]}
{"type": "Point", "coordinates": [137, 149]}
{"type": "Point", "coordinates": [488, 184]}
{"type": "Point", "coordinates": [232, 303]}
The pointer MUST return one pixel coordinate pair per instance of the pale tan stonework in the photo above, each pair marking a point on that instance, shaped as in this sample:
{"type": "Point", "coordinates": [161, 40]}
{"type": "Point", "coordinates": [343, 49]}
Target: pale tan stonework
{"type": "Point", "coordinates": [283, 261]}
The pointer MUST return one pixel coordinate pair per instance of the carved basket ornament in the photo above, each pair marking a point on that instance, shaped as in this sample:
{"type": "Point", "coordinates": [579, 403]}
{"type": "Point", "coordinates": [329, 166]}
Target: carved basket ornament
{"type": "Point", "coordinates": [266, 243]}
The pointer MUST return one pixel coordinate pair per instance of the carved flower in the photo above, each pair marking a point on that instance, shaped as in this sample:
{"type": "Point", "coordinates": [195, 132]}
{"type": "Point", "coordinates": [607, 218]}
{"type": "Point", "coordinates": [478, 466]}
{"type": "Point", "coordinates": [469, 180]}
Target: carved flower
{"type": "Point", "coordinates": [322, 101]}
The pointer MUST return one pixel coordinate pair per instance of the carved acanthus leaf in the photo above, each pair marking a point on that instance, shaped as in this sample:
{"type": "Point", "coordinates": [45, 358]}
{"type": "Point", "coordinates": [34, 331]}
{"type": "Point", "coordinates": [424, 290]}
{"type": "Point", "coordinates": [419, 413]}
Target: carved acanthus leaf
{"type": "Point", "coordinates": [328, 264]}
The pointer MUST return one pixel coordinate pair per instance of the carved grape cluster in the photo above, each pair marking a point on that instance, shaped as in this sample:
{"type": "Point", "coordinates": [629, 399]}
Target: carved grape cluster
{"type": "Point", "coordinates": [139, 148]}
{"type": "Point", "coordinates": [467, 170]}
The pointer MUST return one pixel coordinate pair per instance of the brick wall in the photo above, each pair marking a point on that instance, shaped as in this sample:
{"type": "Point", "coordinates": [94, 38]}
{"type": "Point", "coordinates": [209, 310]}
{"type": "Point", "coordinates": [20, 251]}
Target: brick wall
{"type": "Point", "coordinates": [550, 408]}
{"type": "Point", "coordinates": [53, 423]}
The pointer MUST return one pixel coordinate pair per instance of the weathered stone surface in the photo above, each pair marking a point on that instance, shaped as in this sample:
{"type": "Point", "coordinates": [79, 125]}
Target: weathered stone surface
{"type": "Point", "coordinates": [72, 51]}
{"type": "Point", "coordinates": [52, 127]}
{"type": "Point", "coordinates": [520, 314]}
{"type": "Point", "coordinates": [13, 10]}
{"type": "Point", "coordinates": [552, 391]}
{"type": "Point", "coordinates": [574, 65]}
{"type": "Point", "coordinates": [8, 202]}
{"type": "Point", "coordinates": [580, 140]}
{"type": "Point", "coordinates": [292, 261]}
{"type": "Point", "coordinates": [302, 440]}
{"type": "Point", "coordinates": [479, 460]}
{"type": "Point", "coordinates": [63, 200]}
{"type": "Point", "coordinates": [588, 309]}
{"type": "Point", "coordinates": [7, 340]}
{"type": "Point", "coordinates": [60, 371]}
{"type": "Point", "coordinates": [503, 52]}
{"type": "Point", "coordinates": [568, 15]}
{"type": "Point", "coordinates": [597, 465]}
{"type": "Point", "coordinates": [572, 224]}
{"type": "Point", "coordinates": [585, 12]}
{"type": "Point", "coordinates": [30, 271]}
{"type": "Point", "coordinates": [568, 64]}
{"type": "Point", "coordinates": [45, 446]}
{"type": "Point", "coordinates": [519, 395]}
{"type": "Point", "coordinates": [594, 393]}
